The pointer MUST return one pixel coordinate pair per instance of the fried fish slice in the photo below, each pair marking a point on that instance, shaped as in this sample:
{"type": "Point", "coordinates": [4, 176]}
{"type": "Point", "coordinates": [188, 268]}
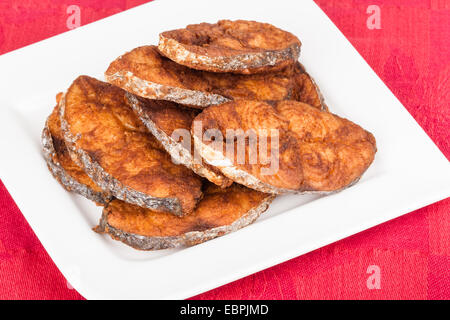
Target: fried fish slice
{"type": "Point", "coordinates": [170, 123]}
{"type": "Point", "coordinates": [146, 73]}
{"type": "Point", "coordinates": [308, 151]}
{"type": "Point", "coordinates": [114, 148]}
{"type": "Point", "coordinates": [306, 90]}
{"type": "Point", "coordinates": [240, 46]}
{"type": "Point", "coordinates": [221, 211]}
{"type": "Point", "coordinates": [68, 174]}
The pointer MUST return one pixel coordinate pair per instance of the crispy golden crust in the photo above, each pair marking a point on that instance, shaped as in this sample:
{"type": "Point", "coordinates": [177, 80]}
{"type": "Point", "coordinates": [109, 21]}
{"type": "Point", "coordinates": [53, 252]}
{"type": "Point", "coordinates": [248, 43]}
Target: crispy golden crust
{"type": "Point", "coordinates": [68, 174]}
{"type": "Point", "coordinates": [240, 46]}
{"type": "Point", "coordinates": [219, 212]}
{"type": "Point", "coordinates": [334, 151]}
{"type": "Point", "coordinates": [144, 72]}
{"type": "Point", "coordinates": [306, 90]}
{"type": "Point", "coordinates": [317, 152]}
{"type": "Point", "coordinates": [166, 120]}
{"type": "Point", "coordinates": [115, 149]}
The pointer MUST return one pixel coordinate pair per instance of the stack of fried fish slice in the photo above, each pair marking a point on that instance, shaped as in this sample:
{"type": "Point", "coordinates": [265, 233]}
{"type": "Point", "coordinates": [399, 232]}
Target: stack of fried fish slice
{"type": "Point", "coordinates": [140, 144]}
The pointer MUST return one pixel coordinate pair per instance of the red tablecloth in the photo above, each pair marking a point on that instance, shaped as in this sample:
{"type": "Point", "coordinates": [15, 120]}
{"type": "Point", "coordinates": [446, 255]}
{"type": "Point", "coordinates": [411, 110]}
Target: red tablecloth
{"type": "Point", "coordinates": [411, 53]}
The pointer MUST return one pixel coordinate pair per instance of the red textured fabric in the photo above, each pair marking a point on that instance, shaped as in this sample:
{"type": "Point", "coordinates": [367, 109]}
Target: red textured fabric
{"type": "Point", "coordinates": [411, 54]}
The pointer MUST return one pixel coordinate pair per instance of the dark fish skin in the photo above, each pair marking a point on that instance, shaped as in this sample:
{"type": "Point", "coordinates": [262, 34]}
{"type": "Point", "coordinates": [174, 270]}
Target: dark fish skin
{"type": "Point", "coordinates": [221, 211]}
{"type": "Point", "coordinates": [65, 171]}
{"type": "Point", "coordinates": [117, 152]}
{"type": "Point", "coordinates": [65, 179]}
{"type": "Point", "coordinates": [162, 118]}
{"type": "Point", "coordinates": [146, 73]}
{"type": "Point", "coordinates": [243, 47]}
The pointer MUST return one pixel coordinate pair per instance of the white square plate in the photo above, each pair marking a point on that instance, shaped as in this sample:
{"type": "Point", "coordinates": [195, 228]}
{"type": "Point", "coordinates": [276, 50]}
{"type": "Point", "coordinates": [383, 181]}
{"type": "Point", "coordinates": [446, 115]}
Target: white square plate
{"type": "Point", "coordinates": [409, 171]}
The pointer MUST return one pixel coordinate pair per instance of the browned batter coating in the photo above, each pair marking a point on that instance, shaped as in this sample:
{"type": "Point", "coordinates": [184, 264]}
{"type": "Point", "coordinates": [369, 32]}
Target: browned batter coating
{"type": "Point", "coordinates": [146, 73]}
{"type": "Point", "coordinates": [105, 137]}
{"type": "Point", "coordinates": [220, 211]}
{"type": "Point", "coordinates": [240, 46]}
{"type": "Point", "coordinates": [164, 119]}
{"type": "Point", "coordinates": [317, 151]}
{"type": "Point", "coordinates": [60, 164]}
{"type": "Point", "coordinates": [306, 90]}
